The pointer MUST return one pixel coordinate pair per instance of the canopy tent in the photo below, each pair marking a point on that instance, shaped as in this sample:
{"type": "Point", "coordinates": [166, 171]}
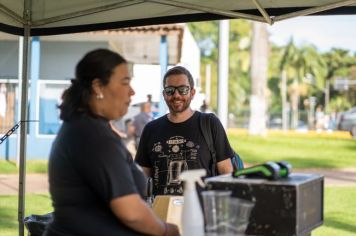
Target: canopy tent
{"type": "Point", "coordinates": [47, 17]}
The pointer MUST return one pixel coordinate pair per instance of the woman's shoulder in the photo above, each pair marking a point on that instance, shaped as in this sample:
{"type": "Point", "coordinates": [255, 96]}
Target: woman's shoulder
{"type": "Point", "coordinates": [85, 124]}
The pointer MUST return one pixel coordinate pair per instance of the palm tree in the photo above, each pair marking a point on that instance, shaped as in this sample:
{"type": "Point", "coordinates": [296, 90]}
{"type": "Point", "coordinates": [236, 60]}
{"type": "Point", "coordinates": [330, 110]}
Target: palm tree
{"type": "Point", "coordinates": [336, 60]}
{"type": "Point", "coordinates": [296, 64]}
{"type": "Point", "coordinates": [287, 53]}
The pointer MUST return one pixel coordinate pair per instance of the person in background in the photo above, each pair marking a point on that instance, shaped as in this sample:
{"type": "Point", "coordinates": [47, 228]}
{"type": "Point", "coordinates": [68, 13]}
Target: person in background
{"type": "Point", "coordinates": [154, 106]}
{"type": "Point", "coordinates": [127, 135]}
{"type": "Point", "coordinates": [129, 140]}
{"type": "Point", "coordinates": [333, 121]}
{"type": "Point", "coordinates": [319, 118]}
{"type": "Point", "coordinates": [149, 98]}
{"type": "Point", "coordinates": [116, 125]}
{"type": "Point", "coordinates": [141, 119]}
{"type": "Point", "coordinates": [205, 107]}
{"type": "Point", "coordinates": [95, 187]}
{"type": "Point", "coordinates": [173, 143]}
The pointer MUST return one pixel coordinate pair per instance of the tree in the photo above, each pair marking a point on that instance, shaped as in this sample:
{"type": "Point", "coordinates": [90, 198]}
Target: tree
{"type": "Point", "coordinates": [287, 55]}
{"type": "Point", "coordinates": [338, 63]}
{"type": "Point", "coordinates": [298, 67]}
{"type": "Point", "coordinates": [259, 67]}
{"type": "Point", "coordinates": [206, 34]}
{"type": "Point", "coordinates": [239, 79]}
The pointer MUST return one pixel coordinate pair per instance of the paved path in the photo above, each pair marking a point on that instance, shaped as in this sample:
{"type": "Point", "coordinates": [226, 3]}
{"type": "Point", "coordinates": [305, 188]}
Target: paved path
{"type": "Point", "coordinates": [35, 183]}
{"type": "Point", "coordinates": [38, 183]}
{"type": "Point", "coordinates": [339, 177]}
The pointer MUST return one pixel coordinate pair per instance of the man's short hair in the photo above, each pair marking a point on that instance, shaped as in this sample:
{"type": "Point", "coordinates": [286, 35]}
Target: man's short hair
{"type": "Point", "coordinates": [179, 70]}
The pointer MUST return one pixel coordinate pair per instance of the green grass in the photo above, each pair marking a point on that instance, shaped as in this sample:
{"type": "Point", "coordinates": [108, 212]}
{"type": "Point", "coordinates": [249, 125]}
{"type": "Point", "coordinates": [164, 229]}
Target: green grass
{"type": "Point", "coordinates": [34, 204]}
{"type": "Point", "coordinates": [339, 210]}
{"type": "Point", "coordinates": [309, 150]}
{"type": "Point", "coordinates": [302, 151]}
{"type": "Point", "coordinates": [32, 166]}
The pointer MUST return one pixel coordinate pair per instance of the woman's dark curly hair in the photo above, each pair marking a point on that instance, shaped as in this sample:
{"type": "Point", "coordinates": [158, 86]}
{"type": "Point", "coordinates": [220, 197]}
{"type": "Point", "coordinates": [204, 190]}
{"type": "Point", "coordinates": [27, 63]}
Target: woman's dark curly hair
{"type": "Point", "coordinates": [96, 64]}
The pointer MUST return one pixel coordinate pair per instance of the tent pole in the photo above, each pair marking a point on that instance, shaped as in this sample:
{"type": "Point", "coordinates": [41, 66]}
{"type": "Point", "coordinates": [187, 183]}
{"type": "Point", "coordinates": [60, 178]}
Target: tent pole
{"type": "Point", "coordinates": [9, 13]}
{"type": "Point", "coordinates": [232, 14]}
{"type": "Point", "coordinates": [24, 111]}
{"type": "Point", "coordinates": [263, 12]}
{"type": "Point", "coordinates": [223, 72]}
{"type": "Point", "coordinates": [163, 61]}
{"type": "Point", "coordinates": [23, 130]}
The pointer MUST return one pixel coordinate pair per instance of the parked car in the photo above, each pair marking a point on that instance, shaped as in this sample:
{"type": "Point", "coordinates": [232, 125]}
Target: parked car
{"type": "Point", "coordinates": [276, 123]}
{"type": "Point", "coordinates": [347, 121]}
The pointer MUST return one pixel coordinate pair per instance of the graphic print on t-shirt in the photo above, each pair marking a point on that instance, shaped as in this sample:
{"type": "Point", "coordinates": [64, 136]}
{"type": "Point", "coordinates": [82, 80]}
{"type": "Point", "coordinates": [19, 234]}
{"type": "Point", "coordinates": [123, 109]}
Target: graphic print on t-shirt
{"type": "Point", "coordinates": [175, 155]}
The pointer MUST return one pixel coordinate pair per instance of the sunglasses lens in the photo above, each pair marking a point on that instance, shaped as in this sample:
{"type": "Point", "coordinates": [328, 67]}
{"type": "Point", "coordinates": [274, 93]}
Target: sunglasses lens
{"type": "Point", "coordinates": [169, 91]}
{"type": "Point", "coordinates": [183, 90]}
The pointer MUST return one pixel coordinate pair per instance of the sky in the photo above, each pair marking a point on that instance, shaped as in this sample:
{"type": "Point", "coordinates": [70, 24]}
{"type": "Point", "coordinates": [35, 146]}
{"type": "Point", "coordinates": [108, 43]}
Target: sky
{"type": "Point", "coordinates": [324, 32]}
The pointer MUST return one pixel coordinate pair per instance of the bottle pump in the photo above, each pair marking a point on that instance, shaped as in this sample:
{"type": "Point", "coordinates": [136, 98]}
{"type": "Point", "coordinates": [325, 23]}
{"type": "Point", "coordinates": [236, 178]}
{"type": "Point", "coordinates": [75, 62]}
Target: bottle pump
{"type": "Point", "coordinates": [192, 216]}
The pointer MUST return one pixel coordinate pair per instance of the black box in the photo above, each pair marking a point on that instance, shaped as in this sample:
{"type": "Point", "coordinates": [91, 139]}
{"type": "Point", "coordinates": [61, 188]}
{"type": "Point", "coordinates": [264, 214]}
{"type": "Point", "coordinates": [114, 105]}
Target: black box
{"type": "Point", "coordinates": [286, 207]}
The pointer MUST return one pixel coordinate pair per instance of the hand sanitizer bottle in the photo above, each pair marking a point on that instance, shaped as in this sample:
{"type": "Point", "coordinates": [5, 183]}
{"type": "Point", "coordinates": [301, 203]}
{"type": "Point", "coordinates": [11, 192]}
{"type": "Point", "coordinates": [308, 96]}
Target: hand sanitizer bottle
{"type": "Point", "coordinates": [192, 215]}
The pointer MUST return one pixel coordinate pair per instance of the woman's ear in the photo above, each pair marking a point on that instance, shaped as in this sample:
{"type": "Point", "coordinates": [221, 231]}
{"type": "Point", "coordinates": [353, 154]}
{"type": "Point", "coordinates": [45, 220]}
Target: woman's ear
{"type": "Point", "coordinates": [97, 87]}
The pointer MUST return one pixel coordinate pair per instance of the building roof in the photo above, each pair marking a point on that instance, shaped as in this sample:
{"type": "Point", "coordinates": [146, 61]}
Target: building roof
{"type": "Point", "coordinates": [139, 45]}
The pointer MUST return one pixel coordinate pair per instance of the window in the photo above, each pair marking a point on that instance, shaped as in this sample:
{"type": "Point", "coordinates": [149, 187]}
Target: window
{"type": "Point", "coordinates": [8, 104]}
{"type": "Point", "coordinates": [50, 93]}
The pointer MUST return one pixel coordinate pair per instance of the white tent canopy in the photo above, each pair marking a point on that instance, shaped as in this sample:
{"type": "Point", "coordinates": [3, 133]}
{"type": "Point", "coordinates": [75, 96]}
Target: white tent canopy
{"type": "Point", "coordinates": [48, 17]}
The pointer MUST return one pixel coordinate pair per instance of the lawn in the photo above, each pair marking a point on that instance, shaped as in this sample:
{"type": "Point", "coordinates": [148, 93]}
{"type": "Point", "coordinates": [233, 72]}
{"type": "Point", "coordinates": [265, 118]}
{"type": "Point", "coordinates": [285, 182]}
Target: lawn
{"type": "Point", "coordinates": [301, 150]}
{"type": "Point", "coordinates": [9, 167]}
{"type": "Point", "coordinates": [310, 150]}
{"type": "Point", "coordinates": [339, 210]}
{"type": "Point", "coordinates": [35, 204]}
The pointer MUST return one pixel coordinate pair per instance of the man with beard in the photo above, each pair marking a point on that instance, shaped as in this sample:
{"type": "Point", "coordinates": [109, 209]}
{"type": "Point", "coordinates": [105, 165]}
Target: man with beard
{"type": "Point", "coordinates": [173, 143]}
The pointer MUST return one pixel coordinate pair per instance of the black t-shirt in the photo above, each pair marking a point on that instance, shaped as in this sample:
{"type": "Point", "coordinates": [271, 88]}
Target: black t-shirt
{"type": "Point", "coordinates": [170, 148]}
{"type": "Point", "coordinates": [88, 167]}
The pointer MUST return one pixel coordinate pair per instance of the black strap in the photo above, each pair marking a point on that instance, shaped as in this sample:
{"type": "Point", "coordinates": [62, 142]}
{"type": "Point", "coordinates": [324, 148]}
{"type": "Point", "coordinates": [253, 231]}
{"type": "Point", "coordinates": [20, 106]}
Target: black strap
{"type": "Point", "coordinates": [207, 131]}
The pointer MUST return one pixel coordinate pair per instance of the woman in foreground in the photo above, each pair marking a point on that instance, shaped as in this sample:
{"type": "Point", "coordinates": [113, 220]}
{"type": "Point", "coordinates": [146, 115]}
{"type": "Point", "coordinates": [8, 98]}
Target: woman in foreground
{"type": "Point", "coordinates": [95, 186]}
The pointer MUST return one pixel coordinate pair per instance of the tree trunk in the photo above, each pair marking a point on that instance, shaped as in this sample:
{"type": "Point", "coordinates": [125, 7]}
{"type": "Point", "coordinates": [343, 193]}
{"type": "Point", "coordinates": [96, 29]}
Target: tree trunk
{"type": "Point", "coordinates": [284, 100]}
{"type": "Point", "coordinates": [259, 66]}
{"type": "Point", "coordinates": [294, 98]}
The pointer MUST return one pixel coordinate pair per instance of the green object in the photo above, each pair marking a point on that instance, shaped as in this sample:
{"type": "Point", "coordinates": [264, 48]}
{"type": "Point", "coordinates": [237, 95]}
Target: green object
{"type": "Point", "coordinates": [285, 169]}
{"type": "Point", "coordinates": [268, 170]}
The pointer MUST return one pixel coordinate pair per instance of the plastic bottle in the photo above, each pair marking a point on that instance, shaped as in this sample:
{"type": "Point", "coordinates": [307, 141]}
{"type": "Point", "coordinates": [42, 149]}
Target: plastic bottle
{"type": "Point", "coordinates": [192, 215]}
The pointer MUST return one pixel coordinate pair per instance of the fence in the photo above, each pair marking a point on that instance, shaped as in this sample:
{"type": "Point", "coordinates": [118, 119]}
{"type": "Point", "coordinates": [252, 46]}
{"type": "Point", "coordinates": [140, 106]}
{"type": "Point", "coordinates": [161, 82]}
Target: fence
{"type": "Point", "coordinates": [274, 120]}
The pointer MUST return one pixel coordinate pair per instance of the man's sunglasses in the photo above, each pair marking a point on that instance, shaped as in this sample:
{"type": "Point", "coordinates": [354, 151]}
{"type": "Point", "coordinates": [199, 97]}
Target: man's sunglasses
{"type": "Point", "coordinates": [182, 90]}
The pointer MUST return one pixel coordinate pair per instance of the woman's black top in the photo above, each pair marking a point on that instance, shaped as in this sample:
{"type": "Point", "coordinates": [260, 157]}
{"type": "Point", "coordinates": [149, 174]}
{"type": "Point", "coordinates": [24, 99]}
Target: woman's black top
{"type": "Point", "coordinates": [89, 166]}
